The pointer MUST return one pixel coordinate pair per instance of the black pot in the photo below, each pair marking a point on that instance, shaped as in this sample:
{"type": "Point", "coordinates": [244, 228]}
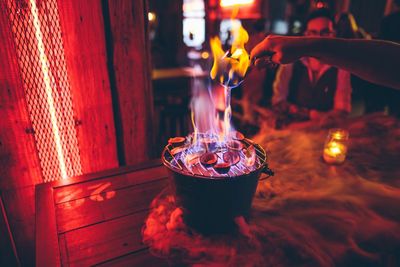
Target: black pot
{"type": "Point", "coordinates": [210, 204]}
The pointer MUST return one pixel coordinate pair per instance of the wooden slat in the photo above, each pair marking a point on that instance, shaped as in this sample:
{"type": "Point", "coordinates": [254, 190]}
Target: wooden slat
{"type": "Point", "coordinates": [75, 214]}
{"type": "Point", "coordinates": [47, 248]}
{"type": "Point", "coordinates": [106, 173]}
{"type": "Point", "coordinates": [140, 258]}
{"type": "Point", "coordinates": [100, 242]}
{"type": "Point", "coordinates": [131, 62]}
{"type": "Point", "coordinates": [20, 206]}
{"type": "Point", "coordinates": [84, 44]}
{"type": "Point", "coordinates": [63, 250]}
{"type": "Point", "coordinates": [80, 190]}
{"type": "Point", "coordinates": [8, 249]}
{"type": "Point", "coordinates": [89, 210]}
{"type": "Point", "coordinates": [132, 199]}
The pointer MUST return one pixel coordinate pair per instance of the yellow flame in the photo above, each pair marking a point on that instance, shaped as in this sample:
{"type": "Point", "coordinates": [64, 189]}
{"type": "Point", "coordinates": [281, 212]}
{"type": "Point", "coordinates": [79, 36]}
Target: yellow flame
{"type": "Point", "coordinates": [229, 68]}
{"type": "Point", "coordinates": [241, 37]}
{"type": "Point", "coordinates": [230, 65]}
{"type": "Point", "coordinates": [218, 55]}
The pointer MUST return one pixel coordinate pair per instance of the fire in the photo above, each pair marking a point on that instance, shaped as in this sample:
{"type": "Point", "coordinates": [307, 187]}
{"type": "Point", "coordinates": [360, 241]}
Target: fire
{"type": "Point", "coordinates": [215, 148]}
{"type": "Point", "coordinates": [230, 67]}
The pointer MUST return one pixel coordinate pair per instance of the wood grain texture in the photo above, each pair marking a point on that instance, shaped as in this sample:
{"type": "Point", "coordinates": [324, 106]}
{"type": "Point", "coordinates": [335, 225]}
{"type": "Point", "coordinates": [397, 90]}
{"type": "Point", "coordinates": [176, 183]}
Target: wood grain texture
{"type": "Point", "coordinates": [140, 258]}
{"type": "Point", "coordinates": [131, 63]}
{"type": "Point", "coordinates": [47, 247]}
{"type": "Point", "coordinates": [19, 163]}
{"type": "Point", "coordinates": [100, 242]}
{"type": "Point", "coordinates": [9, 254]}
{"type": "Point", "coordinates": [20, 206]}
{"type": "Point", "coordinates": [77, 191]}
{"type": "Point", "coordinates": [107, 205]}
{"type": "Point", "coordinates": [84, 43]}
{"type": "Point", "coordinates": [18, 159]}
{"type": "Point", "coordinates": [101, 226]}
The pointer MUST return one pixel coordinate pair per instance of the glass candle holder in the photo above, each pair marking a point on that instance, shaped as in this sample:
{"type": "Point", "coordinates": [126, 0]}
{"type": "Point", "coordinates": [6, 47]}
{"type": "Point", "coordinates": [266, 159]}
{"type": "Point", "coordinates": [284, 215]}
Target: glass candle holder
{"type": "Point", "coordinates": [335, 148]}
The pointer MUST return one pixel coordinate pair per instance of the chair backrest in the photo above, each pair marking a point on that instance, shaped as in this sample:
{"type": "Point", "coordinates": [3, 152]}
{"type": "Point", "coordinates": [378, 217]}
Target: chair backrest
{"type": "Point", "coordinates": [8, 251]}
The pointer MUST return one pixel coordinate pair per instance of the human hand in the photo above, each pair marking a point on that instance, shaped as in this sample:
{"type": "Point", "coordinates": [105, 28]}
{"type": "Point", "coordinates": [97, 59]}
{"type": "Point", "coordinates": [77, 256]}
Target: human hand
{"type": "Point", "coordinates": [278, 49]}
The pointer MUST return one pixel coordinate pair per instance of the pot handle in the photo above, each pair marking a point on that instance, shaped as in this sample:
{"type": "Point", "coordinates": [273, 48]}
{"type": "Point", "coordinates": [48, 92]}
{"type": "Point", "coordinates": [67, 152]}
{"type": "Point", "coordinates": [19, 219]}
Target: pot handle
{"type": "Point", "coordinates": [268, 172]}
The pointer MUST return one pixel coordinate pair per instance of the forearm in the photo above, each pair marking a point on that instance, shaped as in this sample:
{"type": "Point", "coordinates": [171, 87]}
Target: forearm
{"type": "Point", "coordinates": [373, 60]}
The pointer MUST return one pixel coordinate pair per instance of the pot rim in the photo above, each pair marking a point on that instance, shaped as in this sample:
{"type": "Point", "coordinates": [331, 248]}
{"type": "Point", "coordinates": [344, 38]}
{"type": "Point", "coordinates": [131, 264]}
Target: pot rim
{"type": "Point", "coordinates": [262, 166]}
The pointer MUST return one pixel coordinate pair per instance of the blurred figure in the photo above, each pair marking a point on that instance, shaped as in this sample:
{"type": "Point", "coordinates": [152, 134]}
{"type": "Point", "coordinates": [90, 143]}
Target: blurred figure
{"type": "Point", "coordinates": [309, 89]}
{"type": "Point", "coordinates": [385, 96]}
{"type": "Point", "coordinates": [390, 26]}
{"type": "Point", "coordinates": [347, 54]}
{"type": "Point", "coordinates": [346, 27]}
{"type": "Point", "coordinates": [253, 86]}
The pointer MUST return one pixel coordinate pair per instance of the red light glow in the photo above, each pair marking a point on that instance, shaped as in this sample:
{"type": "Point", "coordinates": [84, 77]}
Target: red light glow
{"type": "Point", "coordinates": [44, 64]}
{"type": "Point", "coordinates": [39, 46]}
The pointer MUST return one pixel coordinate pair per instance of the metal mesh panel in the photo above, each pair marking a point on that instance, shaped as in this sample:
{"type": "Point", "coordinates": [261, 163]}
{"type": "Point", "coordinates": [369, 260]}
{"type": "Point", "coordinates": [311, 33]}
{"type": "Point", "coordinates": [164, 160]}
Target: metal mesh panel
{"type": "Point", "coordinates": [37, 34]}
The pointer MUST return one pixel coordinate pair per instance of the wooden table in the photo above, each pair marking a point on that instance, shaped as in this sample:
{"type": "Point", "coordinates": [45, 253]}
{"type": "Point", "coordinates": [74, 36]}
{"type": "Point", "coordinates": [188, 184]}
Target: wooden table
{"type": "Point", "coordinates": [310, 213]}
{"type": "Point", "coordinates": [97, 219]}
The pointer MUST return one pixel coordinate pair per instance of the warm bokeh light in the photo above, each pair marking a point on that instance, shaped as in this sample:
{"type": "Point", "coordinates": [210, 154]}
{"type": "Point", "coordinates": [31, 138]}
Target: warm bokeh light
{"type": "Point", "coordinates": [151, 16]}
{"type": "Point", "coordinates": [205, 55]}
{"type": "Point", "coordinates": [231, 3]}
{"type": "Point", "coordinates": [335, 149]}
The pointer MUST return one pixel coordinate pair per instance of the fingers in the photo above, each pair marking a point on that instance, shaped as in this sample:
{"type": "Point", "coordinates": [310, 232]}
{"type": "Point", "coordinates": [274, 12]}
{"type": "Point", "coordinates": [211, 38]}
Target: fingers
{"type": "Point", "coordinates": [262, 49]}
{"type": "Point", "coordinates": [263, 54]}
{"type": "Point", "coordinates": [259, 49]}
{"type": "Point", "coordinates": [265, 62]}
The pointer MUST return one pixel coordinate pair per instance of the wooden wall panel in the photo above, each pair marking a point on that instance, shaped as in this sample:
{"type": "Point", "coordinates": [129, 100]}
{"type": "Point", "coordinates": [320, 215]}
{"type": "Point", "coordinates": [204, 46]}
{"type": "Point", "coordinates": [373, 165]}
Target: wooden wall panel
{"type": "Point", "coordinates": [85, 51]}
{"type": "Point", "coordinates": [18, 158]}
{"type": "Point", "coordinates": [128, 23]}
{"type": "Point", "coordinates": [19, 163]}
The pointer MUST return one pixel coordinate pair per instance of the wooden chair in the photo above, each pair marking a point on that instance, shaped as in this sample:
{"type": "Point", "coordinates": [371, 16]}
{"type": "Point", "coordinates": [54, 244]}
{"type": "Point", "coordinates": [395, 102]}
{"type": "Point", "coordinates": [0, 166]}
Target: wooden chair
{"type": "Point", "coordinates": [8, 251]}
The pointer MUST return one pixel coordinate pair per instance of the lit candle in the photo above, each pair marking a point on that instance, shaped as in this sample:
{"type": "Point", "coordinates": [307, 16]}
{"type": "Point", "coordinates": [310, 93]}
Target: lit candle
{"type": "Point", "coordinates": [335, 149]}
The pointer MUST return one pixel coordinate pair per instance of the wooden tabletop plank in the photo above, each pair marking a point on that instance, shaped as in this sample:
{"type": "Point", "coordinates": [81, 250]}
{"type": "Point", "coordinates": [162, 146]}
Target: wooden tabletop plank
{"type": "Point", "coordinates": [96, 208]}
{"type": "Point", "coordinates": [47, 248]}
{"type": "Point", "coordinates": [106, 173]}
{"type": "Point", "coordinates": [140, 258]}
{"type": "Point", "coordinates": [78, 213]}
{"type": "Point", "coordinates": [133, 199]}
{"type": "Point", "coordinates": [109, 183]}
{"type": "Point", "coordinates": [107, 240]}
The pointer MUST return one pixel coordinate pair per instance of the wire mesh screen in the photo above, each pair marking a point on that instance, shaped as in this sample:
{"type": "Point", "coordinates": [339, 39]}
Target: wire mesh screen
{"type": "Point", "coordinates": [38, 41]}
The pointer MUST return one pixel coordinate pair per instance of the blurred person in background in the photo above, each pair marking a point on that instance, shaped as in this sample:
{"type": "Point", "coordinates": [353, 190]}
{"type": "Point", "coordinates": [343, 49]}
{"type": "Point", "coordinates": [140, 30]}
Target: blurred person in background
{"type": "Point", "coordinates": [347, 54]}
{"type": "Point", "coordinates": [347, 27]}
{"type": "Point", "coordinates": [253, 86]}
{"type": "Point", "coordinates": [309, 89]}
{"type": "Point", "coordinates": [377, 100]}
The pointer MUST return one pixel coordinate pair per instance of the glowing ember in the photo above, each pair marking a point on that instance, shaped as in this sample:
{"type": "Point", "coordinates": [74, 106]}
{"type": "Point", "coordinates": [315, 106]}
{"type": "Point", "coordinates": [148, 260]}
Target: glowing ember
{"type": "Point", "coordinates": [177, 141]}
{"type": "Point", "coordinates": [222, 167]}
{"type": "Point", "coordinates": [208, 159]}
{"type": "Point", "coordinates": [231, 157]}
{"type": "Point", "coordinates": [235, 145]}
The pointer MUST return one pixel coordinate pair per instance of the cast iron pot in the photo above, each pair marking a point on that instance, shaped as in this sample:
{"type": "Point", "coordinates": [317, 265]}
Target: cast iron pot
{"type": "Point", "coordinates": [210, 204]}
